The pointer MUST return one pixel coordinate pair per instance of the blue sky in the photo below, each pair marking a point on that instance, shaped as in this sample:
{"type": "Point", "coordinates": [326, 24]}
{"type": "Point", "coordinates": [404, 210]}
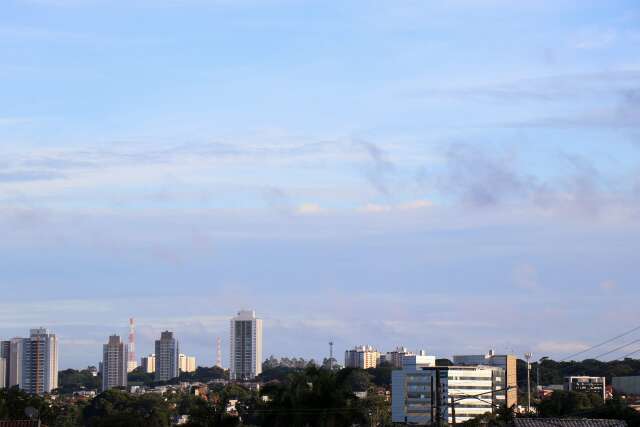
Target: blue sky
{"type": "Point", "coordinates": [451, 175]}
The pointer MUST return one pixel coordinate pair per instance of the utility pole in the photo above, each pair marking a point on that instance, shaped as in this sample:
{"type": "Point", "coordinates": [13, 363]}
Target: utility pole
{"type": "Point", "coordinates": [527, 356]}
{"type": "Point", "coordinates": [453, 411]}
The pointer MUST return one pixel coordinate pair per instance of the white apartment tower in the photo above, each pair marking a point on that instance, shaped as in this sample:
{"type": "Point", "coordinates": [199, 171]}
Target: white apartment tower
{"type": "Point", "coordinates": [149, 364]}
{"type": "Point", "coordinates": [246, 346]}
{"type": "Point", "coordinates": [167, 351]}
{"type": "Point", "coordinates": [114, 363]}
{"type": "Point", "coordinates": [39, 362]}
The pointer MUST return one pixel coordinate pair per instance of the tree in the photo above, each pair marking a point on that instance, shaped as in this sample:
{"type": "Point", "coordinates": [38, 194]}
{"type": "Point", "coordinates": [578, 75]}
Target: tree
{"type": "Point", "coordinates": [115, 408]}
{"type": "Point", "coordinates": [566, 403]}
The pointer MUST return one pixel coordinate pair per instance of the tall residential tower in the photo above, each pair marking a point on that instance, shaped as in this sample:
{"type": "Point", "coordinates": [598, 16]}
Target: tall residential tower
{"type": "Point", "coordinates": [114, 363]}
{"type": "Point", "coordinates": [245, 355]}
{"type": "Point", "coordinates": [167, 353]}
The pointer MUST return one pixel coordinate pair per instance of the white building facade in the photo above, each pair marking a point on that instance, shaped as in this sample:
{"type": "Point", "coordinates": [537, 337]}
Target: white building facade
{"type": "Point", "coordinates": [423, 393]}
{"type": "Point", "coordinates": [245, 355]}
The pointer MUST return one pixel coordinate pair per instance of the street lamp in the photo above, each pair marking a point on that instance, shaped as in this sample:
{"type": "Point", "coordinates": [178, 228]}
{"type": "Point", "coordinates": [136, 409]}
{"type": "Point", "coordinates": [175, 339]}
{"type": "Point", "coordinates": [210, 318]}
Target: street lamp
{"type": "Point", "coordinates": [527, 357]}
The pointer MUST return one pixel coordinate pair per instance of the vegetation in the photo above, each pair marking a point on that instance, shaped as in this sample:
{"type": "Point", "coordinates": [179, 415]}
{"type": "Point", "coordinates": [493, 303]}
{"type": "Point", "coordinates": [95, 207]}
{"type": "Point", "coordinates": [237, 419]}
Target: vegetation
{"type": "Point", "coordinates": [71, 380]}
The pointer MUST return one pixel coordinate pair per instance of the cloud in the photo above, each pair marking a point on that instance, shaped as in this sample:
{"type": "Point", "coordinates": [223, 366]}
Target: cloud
{"type": "Point", "coordinates": [525, 276]}
{"type": "Point", "coordinates": [594, 39]}
{"type": "Point", "coordinates": [407, 206]}
{"type": "Point", "coordinates": [560, 347]}
{"type": "Point", "coordinates": [481, 178]}
{"type": "Point", "coordinates": [608, 285]}
{"type": "Point", "coordinates": [29, 175]}
{"type": "Point", "coordinates": [310, 209]}
{"type": "Point", "coordinates": [379, 168]}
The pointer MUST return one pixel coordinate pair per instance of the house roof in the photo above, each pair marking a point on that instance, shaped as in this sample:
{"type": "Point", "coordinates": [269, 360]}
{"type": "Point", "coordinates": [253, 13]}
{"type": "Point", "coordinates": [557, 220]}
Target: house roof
{"type": "Point", "coordinates": [567, 422]}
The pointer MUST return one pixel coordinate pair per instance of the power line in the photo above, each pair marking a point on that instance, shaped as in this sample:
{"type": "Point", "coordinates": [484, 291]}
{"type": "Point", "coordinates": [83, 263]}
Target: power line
{"type": "Point", "coordinates": [601, 344]}
{"type": "Point", "coordinates": [630, 354]}
{"type": "Point", "coordinates": [617, 348]}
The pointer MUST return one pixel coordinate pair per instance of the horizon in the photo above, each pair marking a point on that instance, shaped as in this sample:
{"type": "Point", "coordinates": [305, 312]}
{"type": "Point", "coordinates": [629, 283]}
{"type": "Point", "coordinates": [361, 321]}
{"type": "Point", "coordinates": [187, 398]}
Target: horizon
{"type": "Point", "coordinates": [453, 176]}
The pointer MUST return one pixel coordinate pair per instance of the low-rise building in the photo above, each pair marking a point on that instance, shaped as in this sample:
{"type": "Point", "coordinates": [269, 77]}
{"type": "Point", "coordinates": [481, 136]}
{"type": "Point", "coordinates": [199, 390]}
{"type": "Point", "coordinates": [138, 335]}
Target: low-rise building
{"type": "Point", "coordinates": [586, 384]}
{"type": "Point", "coordinates": [627, 385]}
{"type": "Point", "coordinates": [423, 393]}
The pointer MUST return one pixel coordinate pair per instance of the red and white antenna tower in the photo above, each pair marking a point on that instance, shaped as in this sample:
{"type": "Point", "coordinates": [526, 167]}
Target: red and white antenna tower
{"type": "Point", "coordinates": [132, 362]}
{"type": "Point", "coordinates": [219, 352]}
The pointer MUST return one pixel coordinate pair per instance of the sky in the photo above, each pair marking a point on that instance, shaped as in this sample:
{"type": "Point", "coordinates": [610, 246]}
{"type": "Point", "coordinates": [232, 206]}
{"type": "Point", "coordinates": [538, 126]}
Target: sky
{"type": "Point", "coordinates": [451, 176]}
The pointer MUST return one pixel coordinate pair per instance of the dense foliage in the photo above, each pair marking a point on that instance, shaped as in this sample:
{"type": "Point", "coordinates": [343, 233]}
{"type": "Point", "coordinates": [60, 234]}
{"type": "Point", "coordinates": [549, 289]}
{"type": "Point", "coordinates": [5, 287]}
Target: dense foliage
{"type": "Point", "coordinates": [552, 372]}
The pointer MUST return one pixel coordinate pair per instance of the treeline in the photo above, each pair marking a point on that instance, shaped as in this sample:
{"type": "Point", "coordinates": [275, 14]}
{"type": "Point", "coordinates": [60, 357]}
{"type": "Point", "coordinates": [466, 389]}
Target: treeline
{"type": "Point", "coordinates": [309, 397]}
{"type": "Point", "coordinates": [552, 372]}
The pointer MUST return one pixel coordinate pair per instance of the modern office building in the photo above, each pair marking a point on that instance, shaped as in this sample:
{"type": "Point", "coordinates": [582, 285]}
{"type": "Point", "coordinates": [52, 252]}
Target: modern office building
{"type": "Point", "coordinates": [114, 363]}
{"type": "Point", "coordinates": [245, 355]}
{"type": "Point", "coordinates": [149, 364]}
{"type": "Point", "coordinates": [506, 361]}
{"type": "Point", "coordinates": [394, 358]}
{"type": "Point", "coordinates": [626, 385]}
{"type": "Point", "coordinates": [585, 384]}
{"type": "Point", "coordinates": [39, 362]}
{"type": "Point", "coordinates": [362, 357]}
{"type": "Point", "coordinates": [423, 393]}
{"type": "Point", "coordinates": [167, 351]}
{"type": "Point", "coordinates": [186, 363]}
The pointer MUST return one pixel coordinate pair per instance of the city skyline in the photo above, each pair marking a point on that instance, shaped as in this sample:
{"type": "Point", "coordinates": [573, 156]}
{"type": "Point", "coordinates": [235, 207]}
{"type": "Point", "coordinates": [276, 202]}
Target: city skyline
{"type": "Point", "coordinates": [454, 176]}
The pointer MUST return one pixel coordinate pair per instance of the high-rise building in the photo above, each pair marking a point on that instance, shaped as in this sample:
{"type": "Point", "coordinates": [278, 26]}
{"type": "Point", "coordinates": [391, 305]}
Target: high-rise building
{"type": "Point", "coordinates": [5, 353]}
{"type": "Point", "coordinates": [15, 367]}
{"type": "Point", "coordinates": [39, 362]}
{"type": "Point", "coordinates": [3, 372]}
{"type": "Point", "coordinates": [506, 362]}
{"type": "Point", "coordinates": [167, 351]}
{"type": "Point", "coordinates": [186, 363]}
{"type": "Point", "coordinates": [245, 355]}
{"type": "Point", "coordinates": [149, 364]}
{"type": "Point", "coordinates": [114, 363]}
{"type": "Point", "coordinates": [132, 362]}
{"type": "Point", "coordinates": [362, 357]}
{"type": "Point", "coordinates": [423, 393]}
{"type": "Point", "coordinates": [394, 358]}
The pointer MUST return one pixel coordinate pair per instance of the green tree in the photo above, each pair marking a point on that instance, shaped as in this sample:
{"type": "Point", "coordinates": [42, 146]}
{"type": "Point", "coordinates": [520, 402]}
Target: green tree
{"type": "Point", "coordinates": [116, 408]}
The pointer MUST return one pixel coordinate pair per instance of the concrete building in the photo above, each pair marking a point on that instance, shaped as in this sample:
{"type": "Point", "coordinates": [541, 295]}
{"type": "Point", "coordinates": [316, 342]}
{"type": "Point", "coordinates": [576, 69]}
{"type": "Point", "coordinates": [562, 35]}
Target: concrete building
{"type": "Point", "coordinates": [39, 364]}
{"type": "Point", "coordinates": [245, 355]}
{"type": "Point", "coordinates": [394, 358]}
{"type": "Point", "coordinates": [114, 363]}
{"type": "Point", "coordinates": [585, 384]}
{"type": "Point", "coordinates": [149, 364]}
{"type": "Point", "coordinates": [362, 357]}
{"type": "Point", "coordinates": [186, 363]}
{"type": "Point", "coordinates": [15, 361]}
{"type": "Point", "coordinates": [167, 351]}
{"type": "Point", "coordinates": [3, 372]}
{"type": "Point", "coordinates": [423, 393]}
{"type": "Point", "coordinates": [627, 385]}
{"type": "Point", "coordinates": [506, 361]}
{"type": "Point", "coordinates": [5, 353]}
